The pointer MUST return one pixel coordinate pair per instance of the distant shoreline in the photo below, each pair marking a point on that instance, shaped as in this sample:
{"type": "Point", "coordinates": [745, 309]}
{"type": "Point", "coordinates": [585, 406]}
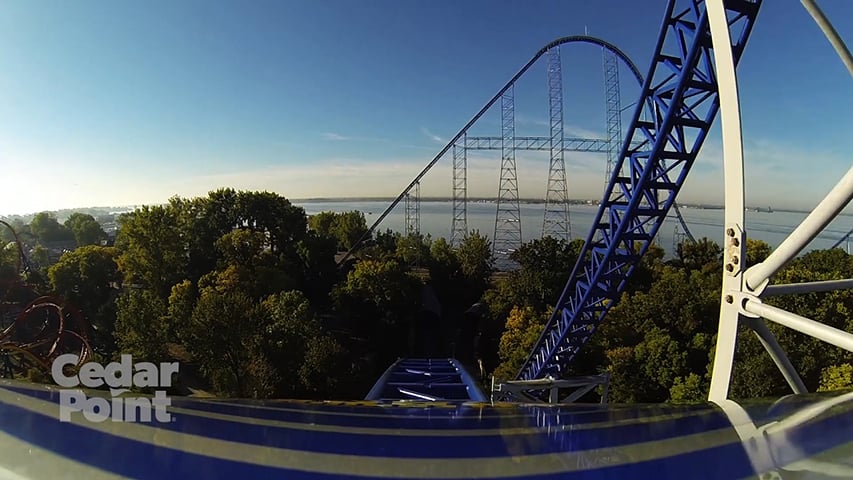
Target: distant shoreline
{"type": "Point", "coordinates": [698, 206]}
{"type": "Point", "coordinates": [528, 201]}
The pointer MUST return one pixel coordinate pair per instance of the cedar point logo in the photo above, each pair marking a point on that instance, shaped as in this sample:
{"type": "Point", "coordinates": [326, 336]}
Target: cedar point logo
{"type": "Point", "coordinates": [119, 376]}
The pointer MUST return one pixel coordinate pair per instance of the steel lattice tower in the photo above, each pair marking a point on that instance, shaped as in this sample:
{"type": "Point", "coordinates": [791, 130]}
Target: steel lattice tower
{"type": "Point", "coordinates": [557, 221]}
{"type": "Point", "coordinates": [460, 192]}
{"type": "Point", "coordinates": [508, 218]}
{"type": "Point", "coordinates": [613, 110]}
{"type": "Point", "coordinates": [413, 210]}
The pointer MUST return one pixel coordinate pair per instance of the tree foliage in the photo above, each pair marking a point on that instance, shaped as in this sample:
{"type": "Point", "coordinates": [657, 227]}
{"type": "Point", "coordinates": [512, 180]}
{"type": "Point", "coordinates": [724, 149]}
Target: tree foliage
{"type": "Point", "coordinates": [86, 230]}
{"type": "Point", "coordinates": [346, 228]}
{"type": "Point", "coordinates": [46, 228]}
{"type": "Point", "coordinates": [523, 328]}
{"type": "Point", "coordinates": [88, 277]}
{"type": "Point", "coordinates": [245, 287]}
{"type": "Point", "coordinates": [657, 341]}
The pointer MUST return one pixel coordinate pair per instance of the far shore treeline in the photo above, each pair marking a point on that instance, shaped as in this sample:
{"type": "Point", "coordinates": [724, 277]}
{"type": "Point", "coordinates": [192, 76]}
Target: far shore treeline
{"type": "Point", "coordinates": [243, 289]}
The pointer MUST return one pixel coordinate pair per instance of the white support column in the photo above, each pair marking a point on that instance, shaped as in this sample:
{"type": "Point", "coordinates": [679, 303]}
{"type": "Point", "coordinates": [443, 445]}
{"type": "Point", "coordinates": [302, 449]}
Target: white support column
{"type": "Point", "coordinates": [818, 330]}
{"type": "Point", "coordinates": [830, 33]}
{"type": "Point", "coordinates": [838, 198]}
{"type": "Point", "coordinates": [765, 336]}
{"type": "Point", "coordinates": [808, 287]}
{"type": "Point", "coordinates": [735, 236]}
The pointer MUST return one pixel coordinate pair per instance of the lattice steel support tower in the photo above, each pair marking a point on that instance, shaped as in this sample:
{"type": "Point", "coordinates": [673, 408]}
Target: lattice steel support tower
{"type": "Point", "coordinates": [460, 192]}
{"type": "Point", "coordinates": [508, 217]}
{"type": "Point", "coordinates": [612, 109]}
{"type": "Point", "coordinates": [557, 221]}
{"type": "Point", "coordinates": [413, 210]}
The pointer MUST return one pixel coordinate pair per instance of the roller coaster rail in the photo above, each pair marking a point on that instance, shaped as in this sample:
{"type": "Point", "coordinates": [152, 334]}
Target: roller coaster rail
{"type": "Point", "coordinates": [682, 86]}
{"type": "Point", "coordinates": [461, 142]}
{"type": "Point", "coordinates": [35, 329]}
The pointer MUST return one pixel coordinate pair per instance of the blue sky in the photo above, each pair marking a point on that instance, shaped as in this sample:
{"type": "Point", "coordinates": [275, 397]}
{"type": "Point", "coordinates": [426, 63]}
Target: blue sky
{"type": "Point", "coordinates": [117, 103]}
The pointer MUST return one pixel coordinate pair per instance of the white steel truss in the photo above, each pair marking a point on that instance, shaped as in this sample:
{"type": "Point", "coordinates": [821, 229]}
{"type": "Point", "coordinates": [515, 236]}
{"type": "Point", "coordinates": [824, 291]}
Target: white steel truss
{"type": "Point", "coordinates": [744, 286]}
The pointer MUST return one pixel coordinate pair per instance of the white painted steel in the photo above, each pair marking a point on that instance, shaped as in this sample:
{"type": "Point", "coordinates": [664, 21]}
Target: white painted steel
{"type": "Point", "coordinates": [830, 33]}
{"type": "Point", "coordinates": [807, 287]}
{"type": "Point", "coordinates": [768, 340]}
{"type": "Point", "coordinates": [818, 330]}
{"type": "Point", "coordinates": [811, 226]}
{"type": "Point", "coordinates": [735, 237]}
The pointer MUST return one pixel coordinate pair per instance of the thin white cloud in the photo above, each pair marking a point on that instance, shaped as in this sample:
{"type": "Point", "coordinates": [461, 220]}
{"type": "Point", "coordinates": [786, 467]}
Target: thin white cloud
{"type": "Point", "coordinates": [521, 119]}
{"type": "Point", "coordinates": [335, 137]}
{"type": "Point", "coordinates": [432, 136]}
{"type": "Point", "coordinates": [581, 132]}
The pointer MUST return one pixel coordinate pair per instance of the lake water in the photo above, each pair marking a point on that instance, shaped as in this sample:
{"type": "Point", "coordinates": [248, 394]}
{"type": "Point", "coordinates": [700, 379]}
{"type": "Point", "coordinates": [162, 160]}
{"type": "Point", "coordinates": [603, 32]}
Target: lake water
{"type": "Point", "coordinates": [436, 220]}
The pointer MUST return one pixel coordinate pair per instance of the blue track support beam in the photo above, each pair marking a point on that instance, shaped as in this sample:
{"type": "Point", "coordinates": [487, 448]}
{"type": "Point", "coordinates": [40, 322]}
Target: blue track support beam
{"type": "Point", "coordinates": [681, 86]}
{"type": "Point", "coordinates": [426, 379]}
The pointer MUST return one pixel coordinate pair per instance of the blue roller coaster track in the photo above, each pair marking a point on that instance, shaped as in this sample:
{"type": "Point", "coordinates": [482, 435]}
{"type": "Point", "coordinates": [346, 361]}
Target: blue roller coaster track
{"type": "Point", "coordinates": [681, 86]}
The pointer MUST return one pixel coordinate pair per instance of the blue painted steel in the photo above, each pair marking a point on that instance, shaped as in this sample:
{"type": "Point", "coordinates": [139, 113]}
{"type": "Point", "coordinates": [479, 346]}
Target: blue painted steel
{"type": "Point", "coordinates": [430, 440]}
{"type": "Point", "coordinates": [426, 379]}
{"type": "Point", "coordinates": [681, 85]}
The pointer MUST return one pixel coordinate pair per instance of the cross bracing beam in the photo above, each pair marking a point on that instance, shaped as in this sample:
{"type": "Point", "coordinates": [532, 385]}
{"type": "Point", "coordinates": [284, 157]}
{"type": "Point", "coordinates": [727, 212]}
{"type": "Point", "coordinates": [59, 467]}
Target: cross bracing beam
{"type": "Point", "coordinates": [681, 86]}
{"type": "Point", "coordinates": [595, 145]}
{"type": "Point", "coordinates": [426, 379]}
{"type": "Point", "coordinates": [464, 130]}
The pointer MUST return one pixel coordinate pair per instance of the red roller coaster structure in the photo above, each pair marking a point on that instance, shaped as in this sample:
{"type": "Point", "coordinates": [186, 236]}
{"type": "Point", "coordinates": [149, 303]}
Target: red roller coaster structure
{"type": "Point", "coordinates": [36, 328]}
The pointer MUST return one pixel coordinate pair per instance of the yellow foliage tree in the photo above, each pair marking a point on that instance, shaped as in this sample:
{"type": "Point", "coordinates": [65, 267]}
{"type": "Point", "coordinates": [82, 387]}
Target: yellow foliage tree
{"type": "Point", "coordinates": [523, 327]}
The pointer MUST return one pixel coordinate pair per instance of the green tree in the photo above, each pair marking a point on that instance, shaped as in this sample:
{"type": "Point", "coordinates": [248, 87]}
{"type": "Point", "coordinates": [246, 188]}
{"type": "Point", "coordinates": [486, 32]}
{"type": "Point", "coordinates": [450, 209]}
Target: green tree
{"type": "Point", "coordinates": [476, 262]}
{"type": "Point", "coordinates": [836, 377]}
{"type": "Point", "coordinates": [445, 274]}
{"type": "Point", "coordinates": [348, 228]}
{"type": "Point", "coordinates": [386, 242]}
{"type": "Point", "coordinates": [323, 223]}
{"type": "Point", "coordinates": [414, 249]}
{"type": "Point", "coordinates": [140, 326]}
{"type": "Point", "coordinates": [181, 304]}
{"type": "Point", "coordinates": [319, 272]}
{"type": "Point", "coordinates": [87, 277]}
{"type": "Point", "coordinates": [384, 290]}
{"type": "Point", "coordinates": [16, 229]}
{"type": "Point", "coordinates": [46, 228]}
{"type": "Point", "coordinates": [628, 383]}
{"type": "Point", "coordinates": [703, 253]}
{"type": "Point", "coordinates": [545, 266]}
{"type": "Point", "coordinates": [222, 338]}
{"type": "Point", "coordinates": [690, 389]}
{"type": "Point", "coordinates": [151, 248]}
{"type": "Point", "coordinates": [380, 301]}
{"type": "Point", "coordinates": [203, 221]}
{"type": "Point", "coordinates": [9, 262]}
{"type": "Point", "coordinates": [308, 360]}
{"type": "Point", "coordinates": [756, 251]}
{"type": "Point", "coordinates": [86, 230]}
